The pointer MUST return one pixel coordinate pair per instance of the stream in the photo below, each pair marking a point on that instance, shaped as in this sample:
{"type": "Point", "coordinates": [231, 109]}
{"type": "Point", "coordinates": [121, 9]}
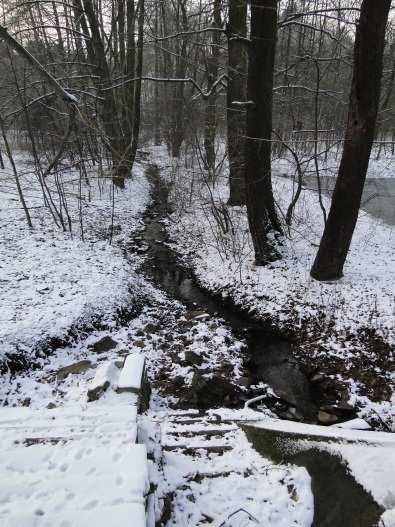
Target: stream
{"type": "Point", "coordinates": [269, 354]}
{"type": "Point", "coordinates": [338, 499]}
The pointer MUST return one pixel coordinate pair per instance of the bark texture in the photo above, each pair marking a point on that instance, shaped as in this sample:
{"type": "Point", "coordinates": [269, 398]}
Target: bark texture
{"type": "Point", "coordinates": [262, 216]}
{"type": "Point", "coordinates": [362, 116]}
{"type": "Point", "coordinates": [237, 91]}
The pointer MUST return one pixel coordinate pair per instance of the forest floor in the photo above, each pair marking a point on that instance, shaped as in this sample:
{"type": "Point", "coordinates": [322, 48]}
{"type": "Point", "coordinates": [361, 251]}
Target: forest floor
{"type": "Point", "coordinates": [342, 331]}
{"type": "Point", "coordinates": [55, 286]}
{"type": "Point", "coordinates": [97, 290]}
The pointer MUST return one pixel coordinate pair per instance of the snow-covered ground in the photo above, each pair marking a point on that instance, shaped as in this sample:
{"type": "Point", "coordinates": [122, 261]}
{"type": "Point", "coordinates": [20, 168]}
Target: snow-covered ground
{"type": "Point", "coordinates": [216, 486]}
{"type": "Point", "coordinates": [63, 483]}
{"type": "Point", "coordinates": [52, 281]}
{"type": "Point", "coordinates": [363, 298]}
{"type": "Point", "coordinates": [351, 321]}
{"type": "Point", "coordinates": [369, 456]}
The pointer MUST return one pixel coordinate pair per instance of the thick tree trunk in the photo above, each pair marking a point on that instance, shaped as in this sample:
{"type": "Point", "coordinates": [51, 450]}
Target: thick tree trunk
{"type": "Point", "coordinates": [262, 216]}
{"type": "Point", "coordinates": [212, 74]}
{"type": "Point", "coordinates": [128, 68]}
{"type": "Point", "coordinates": [137, 90]}
{"type": "Point", "coordinates": [237, 84]}
{"type": "Point", "coordinates": [362, 115]}
{"type": "Point", "coordinates": [177, 119]}
{"type": "Point", "coordinates": [157, 106]}
{"type": "Point", "coordinates": [109, 109]}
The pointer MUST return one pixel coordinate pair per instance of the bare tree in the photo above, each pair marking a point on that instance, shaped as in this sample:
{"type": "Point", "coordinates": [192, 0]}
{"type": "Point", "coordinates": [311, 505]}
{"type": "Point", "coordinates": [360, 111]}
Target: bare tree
{"type": "Point", "coordinates": [236, 93]}
{"type": "Point", "coordinates": [362, 115]}
{"type": "Point", "coordinates": [262, 215]}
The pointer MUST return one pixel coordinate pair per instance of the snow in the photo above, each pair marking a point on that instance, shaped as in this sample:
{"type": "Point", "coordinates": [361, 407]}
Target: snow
{"type": "Point", "coordinates": [81, 466]}
{"type": "Point", "coordinates": [214, 488]}
{"type": "Point", "coordinates": [380, 165]}
{"type": "Point", "coordinates": [132, 373]}
{"type": "Point", "coordinates": [332, 433]}
{"type": "Point", "coordinates": [353, 424]}
{"type": "Point", "coordinates": [341, 323]}
{"type": "Point", "coordinates": [373, 467]}
{"type": "Point", "coordinates": [75, 420]}
{"type": "Point", "coordinates": [370, 456]}
{"type": "Point", "coordinates": [52, 282]}
{"type": "Point", "coordinates": [106, 374]}
{"type": "Point", "coordinates": [363, 297]}
{"type": "Point", "coordinates": [73, 484]}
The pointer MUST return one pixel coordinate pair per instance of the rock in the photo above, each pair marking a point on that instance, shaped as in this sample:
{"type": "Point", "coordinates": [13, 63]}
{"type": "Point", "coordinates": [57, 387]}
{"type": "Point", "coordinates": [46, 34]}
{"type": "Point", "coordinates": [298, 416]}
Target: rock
{"type": "Point", "coordinates": [317, 378]}
{"type": "Point", "coordinates": [197, 313]}
{"type": "Point", "coordinates": [139, 344]}
{"type": "Point", "coordinates": [143, 248]}
{"type": "Point", "coordinates": [51, 406]}
{"type": "Point", "coordinates": [76, 368]}
{"type": "Point", "coordinates": [119, 363]}
{"type": "Point", "coordinates": [104, 344]}
{"type": "Point", "coordinates": [272, 363]}
{"type": "Point", "coordinates": [151, 328]}
{"type": "Point", "coordinates": [106, 376]}
{"type": "Point", "coordinates": [26, 401]}
{"type": "Point", "coordinates": [226, 368]}
{"type": "Point", "coordinates": [293, 414]}
{"type": "Point", "coordinates": [178, 381]}
{"type": "Point", "coordinates": [343, 410]}
{"type": "Point", "coordinates": [244, 381]}
{"type": "Point", "coordinates": [210, 393]}
{"type": "Point", "coordinates": [325, 418]}
{"type": "Point", "coordinates": [345, 407]}
{"type": "Point", "coordinates": [192, 358]}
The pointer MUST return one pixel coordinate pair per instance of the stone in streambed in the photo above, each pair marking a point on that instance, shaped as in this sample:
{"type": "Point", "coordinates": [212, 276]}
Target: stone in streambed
{"type": "Point", "coordinates": [76, 368]}
{"type": "Point", "coordinates": [210, 393]}
{"type": "Point", "coordinates": [325, 418]}
{"type": "Point", "coordinates": [106, 343]}
{"type": "Point", "coordinates": [192, 358]}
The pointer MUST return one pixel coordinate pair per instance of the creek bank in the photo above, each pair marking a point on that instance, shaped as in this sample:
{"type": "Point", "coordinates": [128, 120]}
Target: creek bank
{"type": "Point", "coordinates": [345, 465]}
{"type": "Point", "coordinates": [301, 392]}
{"type": "Point", "coordinates": [342, 364]}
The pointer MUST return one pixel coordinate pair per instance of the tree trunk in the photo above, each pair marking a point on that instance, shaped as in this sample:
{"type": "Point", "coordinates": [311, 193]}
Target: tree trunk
{"type": "Point", "coordinates": [137, 90]}
{"type": "Point", "coordinates": [237, 83]}
{"type": "Point", "coordinates": [177, 119]}
{"type": "Point", "coordinates": [262, 216]}
{"type": "Point", "coordinates": [109, 109]}
{"type": "Point", "coordinates": [157, 107]}
{"type": "Point", "coordinates": [212, 74]}
{"type": "Point", "coordinates": [361, 122]}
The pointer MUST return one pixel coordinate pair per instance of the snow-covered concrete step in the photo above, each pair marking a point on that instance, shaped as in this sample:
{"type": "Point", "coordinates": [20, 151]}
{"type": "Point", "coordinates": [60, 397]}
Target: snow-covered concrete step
{"type": "Point", "coordinates": [80, 483]}
{"type": "Point", "coordinates": [116, 422]}
{"type": "Point", "coordinates": [199, 430]}
{"type": "Point", "coordinates": [133, 379]}
{"type": "Point", "coordinates": [204, 432]}
{"type": "Point", "coordinates": [195, 448]}
{"type": "Point", "coordinates": [107, 375]}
